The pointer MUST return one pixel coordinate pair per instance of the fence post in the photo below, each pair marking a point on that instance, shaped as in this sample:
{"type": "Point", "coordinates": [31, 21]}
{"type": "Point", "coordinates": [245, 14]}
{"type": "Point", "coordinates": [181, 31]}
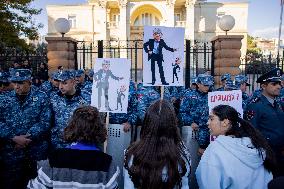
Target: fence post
{"type": "Point", "coordinates": [212, 58]}
{"type": "Point", "coordinates": [75, 56]}
{"type": "Point", "coordinates": [187, 63]}
{"type": "Point", "coordinates": [136, 52]}
{"type": "Point", "coordinates": [204, 51]}
{"type": "Point", "coordinates": [100, 49]}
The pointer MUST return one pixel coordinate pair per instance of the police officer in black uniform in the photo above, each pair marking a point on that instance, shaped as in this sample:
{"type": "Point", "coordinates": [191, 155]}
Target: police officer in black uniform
{"type": "Point", "coordinates": [266, 114]}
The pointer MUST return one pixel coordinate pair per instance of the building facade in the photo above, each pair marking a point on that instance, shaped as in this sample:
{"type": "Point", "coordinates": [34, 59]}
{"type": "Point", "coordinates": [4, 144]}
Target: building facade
{"type": "Point", "coordinates": [124, 19]}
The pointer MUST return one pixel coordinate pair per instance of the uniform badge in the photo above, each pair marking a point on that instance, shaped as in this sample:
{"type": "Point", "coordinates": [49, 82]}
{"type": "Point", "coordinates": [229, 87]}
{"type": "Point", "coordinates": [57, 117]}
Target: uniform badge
{"type": "Point", "coordinates": [81, 102]}
{"type": "Point", "coordinates": [35, 98]}
{"type": "Point", "coordinates": [17, 74]}
{"type": "Point", "coordinates": [250, 114]}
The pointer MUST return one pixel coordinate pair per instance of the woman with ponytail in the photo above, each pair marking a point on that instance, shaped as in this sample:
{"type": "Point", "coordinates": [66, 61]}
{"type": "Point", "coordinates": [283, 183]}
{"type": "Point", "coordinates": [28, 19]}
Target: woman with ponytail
{"type": "Point", "coordinates": [159, 160]}
{"type": "Point", "coordinates": [240, 157]}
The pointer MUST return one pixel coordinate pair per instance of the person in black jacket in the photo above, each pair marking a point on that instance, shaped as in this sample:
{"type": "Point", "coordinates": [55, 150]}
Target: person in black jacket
{"type": "Point", "coordinates": [154, 49]}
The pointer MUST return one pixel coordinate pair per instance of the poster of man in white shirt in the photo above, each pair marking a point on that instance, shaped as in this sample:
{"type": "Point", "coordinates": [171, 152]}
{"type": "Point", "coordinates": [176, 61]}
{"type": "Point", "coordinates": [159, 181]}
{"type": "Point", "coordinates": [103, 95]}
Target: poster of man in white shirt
{"type": "Point", "coordinates": [111, 85]}
{"type": "Point", "coordinates": [163, 56]}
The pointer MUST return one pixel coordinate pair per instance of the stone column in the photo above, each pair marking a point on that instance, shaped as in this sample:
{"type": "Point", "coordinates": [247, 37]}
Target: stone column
{"type": "Point", "coordinates": [60, 52]}
{"type": "Point", "coordinates": [171, 13]}
{"type": "Point", "coordinates": [123, 25]}
{"type": "Point", "coordinates": [190, 17]}
{"type": "Point", "coordinates": [227, 55]}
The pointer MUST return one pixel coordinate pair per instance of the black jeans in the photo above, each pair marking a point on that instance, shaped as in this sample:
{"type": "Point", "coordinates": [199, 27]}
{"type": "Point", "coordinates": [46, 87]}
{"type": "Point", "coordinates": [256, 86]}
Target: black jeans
{"type": "Point", "coordinates": [158, 59]}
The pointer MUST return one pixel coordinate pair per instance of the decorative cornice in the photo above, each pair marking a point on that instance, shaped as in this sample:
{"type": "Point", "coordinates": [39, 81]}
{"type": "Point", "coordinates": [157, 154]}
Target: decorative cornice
{"type": "Point", "coordinates": [171, 3]}
{"type": "Point", "coordinates": [122, 3]}
{"type": "Point", "coordinates": [103, 3]}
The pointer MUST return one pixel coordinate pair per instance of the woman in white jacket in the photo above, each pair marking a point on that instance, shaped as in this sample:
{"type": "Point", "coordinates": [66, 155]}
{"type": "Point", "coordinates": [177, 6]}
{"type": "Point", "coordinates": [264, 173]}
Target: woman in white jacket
{"type": "Point", "coordinates": [240, 158]}
{"type": "Point", "coordinates": [159, 160]}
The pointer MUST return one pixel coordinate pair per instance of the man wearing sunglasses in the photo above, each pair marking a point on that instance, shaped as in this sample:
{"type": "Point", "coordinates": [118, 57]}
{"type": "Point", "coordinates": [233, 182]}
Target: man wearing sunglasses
{"type": "Point", "coordinates": [267, 115]}
{"type": "Point", "coordinates": [24, 126]}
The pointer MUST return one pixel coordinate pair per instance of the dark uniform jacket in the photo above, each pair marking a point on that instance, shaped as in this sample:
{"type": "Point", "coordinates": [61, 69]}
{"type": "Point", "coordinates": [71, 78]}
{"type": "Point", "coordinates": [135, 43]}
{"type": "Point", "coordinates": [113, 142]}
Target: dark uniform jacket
{"type": "Point", "coordinates": [268, 119]}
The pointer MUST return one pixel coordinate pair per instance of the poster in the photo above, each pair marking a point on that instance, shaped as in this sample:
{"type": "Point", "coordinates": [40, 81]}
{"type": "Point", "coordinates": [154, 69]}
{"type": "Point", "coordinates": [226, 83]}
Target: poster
{"type": "Point", "coordinates": [111, 85]}
{"type": "Point", "coordinates": [163, 56]}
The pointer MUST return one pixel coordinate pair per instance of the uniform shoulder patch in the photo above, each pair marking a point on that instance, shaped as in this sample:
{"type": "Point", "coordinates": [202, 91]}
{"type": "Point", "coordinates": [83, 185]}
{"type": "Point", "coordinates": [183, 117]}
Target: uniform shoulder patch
{"type": "Point", "coordinates": [250, 114]}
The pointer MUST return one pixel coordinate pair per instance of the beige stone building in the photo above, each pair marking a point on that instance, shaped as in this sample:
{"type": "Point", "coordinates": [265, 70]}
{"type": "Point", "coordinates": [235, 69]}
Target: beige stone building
{"type": "Point", "coordinates": [124, 19]}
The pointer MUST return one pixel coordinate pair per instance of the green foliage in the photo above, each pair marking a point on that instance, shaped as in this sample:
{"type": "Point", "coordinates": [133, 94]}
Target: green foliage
{"type": "Point", "coordinates": [252, 50]}
{"type": "Point", "coordinates": [16, 22]}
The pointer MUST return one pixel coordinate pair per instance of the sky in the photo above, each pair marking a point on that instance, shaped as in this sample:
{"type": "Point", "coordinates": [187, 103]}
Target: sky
{"type": "Point", "coordinates": [263, 15]}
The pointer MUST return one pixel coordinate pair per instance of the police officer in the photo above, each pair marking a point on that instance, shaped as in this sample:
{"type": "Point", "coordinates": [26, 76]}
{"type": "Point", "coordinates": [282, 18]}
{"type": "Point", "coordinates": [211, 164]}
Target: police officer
{"type": "Point", "coordinates": [80, 79]}
{"type": "Point", "coordinates": [224, 77]}
{"type": "Point", "coordinates": [127, 119]}
{"type": "Point", "coordinates": [146, 95]}
{"type": "Point", "coordinates": [241, 81]}
{"type": "Point", "coordinates": [266, 114]}
{"type": "Point", "coordinates": [63, 103]}
{"type": "Point", "coordinates": [5, 84]}
{"type": "Point", "coordinates": [24, 127]}
{"type": "Point", "coordinates": [194, 110]}
{"type": "Point", "coordinates": [52, 85]}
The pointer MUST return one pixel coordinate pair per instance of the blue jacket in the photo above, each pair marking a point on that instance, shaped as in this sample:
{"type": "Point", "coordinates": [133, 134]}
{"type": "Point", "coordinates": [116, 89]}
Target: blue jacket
{"type": "Point", "coordinates": [48, 88]}
{"type": "Point", "coordinates": [146, 95]}
{"type": "Point", "coordinates": [194, 109]}
{"type": "Point", "coordinates": [30, 117]}
{"type": "Point", "coordinates": [267, 119]}
{"type": "Point", "coordinates": [62, 109]}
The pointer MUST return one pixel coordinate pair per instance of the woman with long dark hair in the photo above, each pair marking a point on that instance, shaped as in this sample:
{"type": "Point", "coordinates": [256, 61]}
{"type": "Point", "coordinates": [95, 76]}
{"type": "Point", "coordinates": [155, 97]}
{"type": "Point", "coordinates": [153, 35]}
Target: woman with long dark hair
{"type": "Point", "coordinates": [240, 157]}
{"type": "Point", "coordinates": [159, 159]}
{"type": "Point", "coordinates": [82, 164]}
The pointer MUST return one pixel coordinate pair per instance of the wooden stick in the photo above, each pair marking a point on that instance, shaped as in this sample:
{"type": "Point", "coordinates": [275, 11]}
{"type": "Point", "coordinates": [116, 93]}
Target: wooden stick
{"type": "Point", "coordinates": [107, 123]}
{"type": "Point", "coordinates": [162, 92]}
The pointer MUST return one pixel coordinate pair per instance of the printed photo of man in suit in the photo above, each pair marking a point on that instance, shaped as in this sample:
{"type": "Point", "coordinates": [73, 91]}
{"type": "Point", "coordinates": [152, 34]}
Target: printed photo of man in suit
{"type": "Point", "coordinates": [102, 79]}
{"type": "Point", "coordinates": [154, 48]}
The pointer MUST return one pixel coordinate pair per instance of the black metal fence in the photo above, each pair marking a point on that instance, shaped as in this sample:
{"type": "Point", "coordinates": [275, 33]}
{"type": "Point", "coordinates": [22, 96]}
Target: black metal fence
{"type": "Point", "coordinates": [255, 66]}
{"type": "Point", "coordinates": [32, 60]}
{"type": "Point", "coordinates": [198, 55]}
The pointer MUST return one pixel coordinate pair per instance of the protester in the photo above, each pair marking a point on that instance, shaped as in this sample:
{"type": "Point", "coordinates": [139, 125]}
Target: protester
{"type": "Point", "coordinates": [159, 159]}
{"type": "Point", "coordinates": [239, 158]}
{"type": "Point", "coordinates": [43, 72]}
{"type": "Point", "coordinates": [81, 164]}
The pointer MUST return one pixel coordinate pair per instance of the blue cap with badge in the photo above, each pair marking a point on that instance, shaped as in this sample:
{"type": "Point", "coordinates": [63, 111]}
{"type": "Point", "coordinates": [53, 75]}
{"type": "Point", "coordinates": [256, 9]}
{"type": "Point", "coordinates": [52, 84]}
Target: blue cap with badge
{"type": "Point", "coordinates": [240, 79]}
{"type": "Point", "coordinates": [225, 76]}
{"type": "Point", "coordinates": [65, 75]}
{"type": "Point", "coordinates": [205, 79]}
{"type": "Point", "coordinates": [20, 75]}
{"type": "Point", "coordinates": [231, 85]}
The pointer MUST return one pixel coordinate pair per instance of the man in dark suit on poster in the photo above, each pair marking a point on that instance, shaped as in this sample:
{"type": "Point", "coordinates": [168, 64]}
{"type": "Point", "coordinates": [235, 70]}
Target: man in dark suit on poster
{"type": "Point", "coordinates": [154, 49]}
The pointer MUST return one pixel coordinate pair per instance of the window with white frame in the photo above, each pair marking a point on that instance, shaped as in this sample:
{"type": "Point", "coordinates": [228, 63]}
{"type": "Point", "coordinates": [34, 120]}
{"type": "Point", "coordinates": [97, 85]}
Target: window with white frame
{"type": "Point", "coordinates": [72, 20]}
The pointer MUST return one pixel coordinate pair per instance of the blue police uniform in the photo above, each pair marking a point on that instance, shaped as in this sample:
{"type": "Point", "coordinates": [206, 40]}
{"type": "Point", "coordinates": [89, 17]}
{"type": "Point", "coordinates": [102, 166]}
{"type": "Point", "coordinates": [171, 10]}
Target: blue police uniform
{"type": "Point", "coordinates": [130, 116]}
{"type": "Point", "coordinates": [194, 109]}
{"type": "Point", "coordinates": [63, 107]}
{"type": "Point", "coordinates": [225, 76]}
{"type": "Point", "coordinates": [146, 95]}
{"type": "Point", "coordinates": [4, 81]}
{"type": "Point", "coordinates": [239, 80]}
{"type": "Point", "coordinates": [23, 115]}
{"type": "Point", "coordinates": [267, 115]}
{"type": "Point", "coordinates": [48, 87]}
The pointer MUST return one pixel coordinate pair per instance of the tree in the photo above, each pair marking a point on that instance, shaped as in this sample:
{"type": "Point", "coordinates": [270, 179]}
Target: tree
{"type": "Point", "coordinates": [251, 46]}
{"type": "Point", "coordinates": [16, 22]}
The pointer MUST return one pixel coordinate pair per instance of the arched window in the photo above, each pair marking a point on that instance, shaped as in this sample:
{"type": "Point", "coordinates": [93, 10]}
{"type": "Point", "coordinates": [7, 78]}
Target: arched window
{"type": "Point", "coordinates": [146, 19]}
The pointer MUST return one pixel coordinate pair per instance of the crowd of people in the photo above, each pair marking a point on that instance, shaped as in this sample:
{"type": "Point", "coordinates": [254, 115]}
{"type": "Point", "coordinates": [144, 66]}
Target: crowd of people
{"type": "Point", "coordinates": [50, 136]}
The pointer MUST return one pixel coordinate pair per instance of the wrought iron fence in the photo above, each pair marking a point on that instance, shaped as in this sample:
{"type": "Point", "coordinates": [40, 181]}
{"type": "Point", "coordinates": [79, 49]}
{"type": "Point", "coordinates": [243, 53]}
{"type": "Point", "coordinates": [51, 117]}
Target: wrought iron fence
{"type": "Point", "coordinates": [10, 56]}
{"type": "Point", "coordinates": [255, 66]}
